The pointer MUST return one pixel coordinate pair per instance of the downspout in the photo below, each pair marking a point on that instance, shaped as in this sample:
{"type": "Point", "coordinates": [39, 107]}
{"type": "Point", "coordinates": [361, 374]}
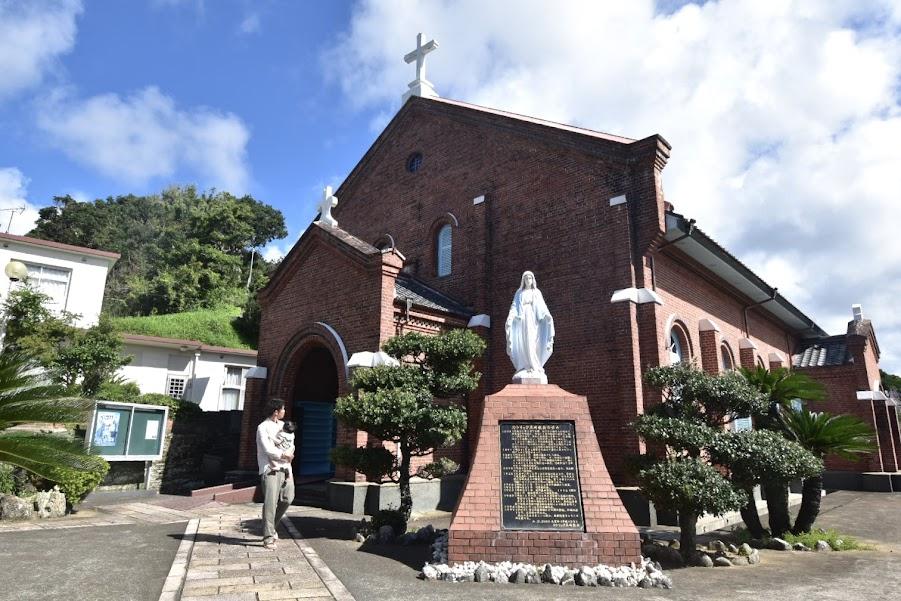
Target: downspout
{"type": "Point", "coordinates": [748, 307]}
{"type": "Point", "coordinates": [194, 376]}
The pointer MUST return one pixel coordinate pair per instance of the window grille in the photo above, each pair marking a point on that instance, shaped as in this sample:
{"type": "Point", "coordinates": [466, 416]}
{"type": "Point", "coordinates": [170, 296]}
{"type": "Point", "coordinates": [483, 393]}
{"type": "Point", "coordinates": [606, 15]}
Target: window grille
{"type": "Point", "coordinates": [232, 395]}
{"type": "Point", "coordinates": [175, 386]}
{"type": "Point", "coordinates": [52, 281]}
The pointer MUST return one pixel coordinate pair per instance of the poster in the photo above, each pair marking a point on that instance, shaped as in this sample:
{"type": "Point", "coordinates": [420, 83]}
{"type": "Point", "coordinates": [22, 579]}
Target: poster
{"type": "Point", "coordinates": [153, 429]}
{"type": "Point", "coordinates": [107, 430]}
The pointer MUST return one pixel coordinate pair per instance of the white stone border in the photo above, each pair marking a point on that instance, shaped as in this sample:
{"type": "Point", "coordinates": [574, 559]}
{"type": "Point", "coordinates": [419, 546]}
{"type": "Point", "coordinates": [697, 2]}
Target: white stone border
{"type": "Point", "coordinates": [331, 582]}
{"type": "Point", "coordinates": [176, 578]}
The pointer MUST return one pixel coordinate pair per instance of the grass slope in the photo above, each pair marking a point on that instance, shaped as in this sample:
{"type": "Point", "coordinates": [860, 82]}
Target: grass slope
{"type": "Point", "coordinates": [210, 326]}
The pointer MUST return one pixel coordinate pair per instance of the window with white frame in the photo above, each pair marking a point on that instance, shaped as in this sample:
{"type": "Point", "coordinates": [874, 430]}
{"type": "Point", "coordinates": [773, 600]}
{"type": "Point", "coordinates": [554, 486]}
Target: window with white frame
{"type": "Point", "coordinates": [232, 395]}
{"type": "Point", "coordinates": [175, 386]}
{"type": "Point", "coordinates": [52, 281]}
{"type": "Point", "coordinates": [677, 345]}
{"type": "Point", "coordinates": [444, 250]}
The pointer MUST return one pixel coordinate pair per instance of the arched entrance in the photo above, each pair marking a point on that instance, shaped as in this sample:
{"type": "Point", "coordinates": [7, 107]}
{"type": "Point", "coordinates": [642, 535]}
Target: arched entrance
{"type": "Point", "coordinates": [313, 404]}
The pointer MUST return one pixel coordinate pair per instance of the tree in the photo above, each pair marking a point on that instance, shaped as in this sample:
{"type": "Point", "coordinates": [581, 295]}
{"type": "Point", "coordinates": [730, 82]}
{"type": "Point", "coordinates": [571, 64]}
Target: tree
{"type": "Point", "coordinates": [78, 359]}
{"type": "Point", "coordinates": [824, 434]}
{"type": "Point", "coordinates": [890, 381]}
{"type": "Point", "coordinates": [180, 249]}
{"type": "Point", "coordinates": [781, 387]}
{"type": "Point", "coordinates": [415, 404]}
{"type": "Point", "coordinates": [685, 426]}
{"type": "Point", "coordinates": [26, 397]}
{"type": "Point", "coordinates": [761, 456]}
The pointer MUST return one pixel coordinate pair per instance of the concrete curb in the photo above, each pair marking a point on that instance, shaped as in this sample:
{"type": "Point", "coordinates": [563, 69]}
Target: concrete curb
{"type": "Point", "coordinates": [334, 586]}
{"type": "Point", "coordinates": [176, 578]}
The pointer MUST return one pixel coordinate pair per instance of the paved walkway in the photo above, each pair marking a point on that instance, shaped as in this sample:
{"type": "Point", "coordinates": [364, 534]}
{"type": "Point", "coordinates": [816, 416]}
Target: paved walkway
{"type": "Point", "coordinates": [222, 557]}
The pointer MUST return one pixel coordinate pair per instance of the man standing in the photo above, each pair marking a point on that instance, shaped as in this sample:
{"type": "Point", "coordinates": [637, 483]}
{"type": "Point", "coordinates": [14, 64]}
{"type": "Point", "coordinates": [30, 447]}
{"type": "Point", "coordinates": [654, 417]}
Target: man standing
{"type": "Point", "coordinates": [278, 484]}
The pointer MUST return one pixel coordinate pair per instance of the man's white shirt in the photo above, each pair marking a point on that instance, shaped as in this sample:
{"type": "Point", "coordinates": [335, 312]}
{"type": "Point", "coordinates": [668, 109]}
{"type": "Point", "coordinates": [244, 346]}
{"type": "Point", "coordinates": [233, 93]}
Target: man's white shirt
{"type": "Point", "coordinates": [266, 449]}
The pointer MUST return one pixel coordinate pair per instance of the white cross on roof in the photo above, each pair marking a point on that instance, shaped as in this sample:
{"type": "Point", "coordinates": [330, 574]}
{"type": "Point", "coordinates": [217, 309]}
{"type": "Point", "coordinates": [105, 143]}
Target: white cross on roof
{"type": "Point", "coordinates": [325, 208]}
{"type": "Point", "coordinates": [420, 86]}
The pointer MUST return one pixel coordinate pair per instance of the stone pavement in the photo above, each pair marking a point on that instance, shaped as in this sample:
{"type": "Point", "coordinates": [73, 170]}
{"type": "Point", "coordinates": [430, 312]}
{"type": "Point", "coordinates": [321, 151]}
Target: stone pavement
{"type": "Point", "coordinates": [222, 558]}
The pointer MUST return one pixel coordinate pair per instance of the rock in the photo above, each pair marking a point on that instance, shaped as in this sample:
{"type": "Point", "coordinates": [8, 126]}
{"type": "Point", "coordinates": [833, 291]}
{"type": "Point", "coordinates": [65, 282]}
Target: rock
{"type": "Point", "coordinates": [407, 539]}
{"type": "Point", "coordinates": [482, 574]}
{"type": "Point", "coordinates": [717, 546]}
{"type": "Point", "coordinates": [673, 544]}
{"type": "Point", "coordinates": [532, 577]}
{"type": "Point", "coordinates": [800, 547]}
{"type": "Point", "coordinates": [426, 534]}
{"type": "Point", "coordinates": [777, 544]}
{"type": "Point", "coordinates": [745, 549]}
{"type": "Point", "coordinates": [569, 577]}
{"type": "Point", "coordinates": [14, 508]}
{"type": "Point", "coordinates": [667, 556]}
{"type": "Point", "coordinates": [839, 543]}
{"type": "Point", "coordinates": [604, 576]}
{"type": "Point", "coordinates": [822, 546]}
{"type": "Point", "coordinates": [360, 538]}
{"type": "Point", "coordinates": [732, 549]}
{"type": "Point", "coordinates": [552, 574]}
{"type": "Point", "coordinates": [722, 562]}
{"type": "Point", "coordinates": [386, 534]}
{"type": "Point", "coordinates": [50, 503]}
{"type": "Point", "coordinates": [586, 577]}
{"type": "Point", "coordinates": [500, 577]}
{"type": "Point", "coordinates": [754, 557]}
{"type": "Point", "coordinates": [757, 543]}
{"type": "Point", "coordinates": [519, 576]}
{"type": "Point", "coordinates": [646, 583]}
{"type": "Point", "coordinates": [428, 572]}
{"type": "Point", "coordinates": [702, 560]}
{"type": "Point", "coordinates": [662, 581]}
{"type": "Point", "coordinates": [465, 577]}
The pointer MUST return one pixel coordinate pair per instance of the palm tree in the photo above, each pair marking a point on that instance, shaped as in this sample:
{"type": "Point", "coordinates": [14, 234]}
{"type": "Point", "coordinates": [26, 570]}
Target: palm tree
{"type": "Point", "coordinates": [26, 397]}
{"type": "Point", "coordinates": [824, 434]}
{"type": "Point", "coordinates": [782, 387]}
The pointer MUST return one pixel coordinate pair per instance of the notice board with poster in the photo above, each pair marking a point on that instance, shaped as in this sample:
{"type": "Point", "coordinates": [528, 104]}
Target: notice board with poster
{"type": "Point", "coordinates": [127, 431]}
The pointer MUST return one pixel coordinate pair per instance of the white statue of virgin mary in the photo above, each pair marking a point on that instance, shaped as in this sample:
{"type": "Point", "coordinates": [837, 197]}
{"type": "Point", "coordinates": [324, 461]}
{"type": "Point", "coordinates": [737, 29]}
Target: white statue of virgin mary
{"type": "Point", "coordinates": [530, 332]}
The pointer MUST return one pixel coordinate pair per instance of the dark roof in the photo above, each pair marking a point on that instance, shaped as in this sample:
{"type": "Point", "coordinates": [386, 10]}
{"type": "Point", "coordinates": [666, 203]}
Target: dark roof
{"type": "Point", "coordinates": [685, 235]}
{"type": "Point", "coordinates": [349, 239]}
{"type": "Point", "coordinates": [826, 352]}
{"type": "Point", "coordinates": [407, 288]}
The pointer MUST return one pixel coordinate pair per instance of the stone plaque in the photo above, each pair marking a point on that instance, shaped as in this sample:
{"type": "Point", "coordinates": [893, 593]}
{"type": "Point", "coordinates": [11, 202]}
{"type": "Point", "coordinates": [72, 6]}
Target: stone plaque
{"type": "Point", "coordinates": [540, 476]}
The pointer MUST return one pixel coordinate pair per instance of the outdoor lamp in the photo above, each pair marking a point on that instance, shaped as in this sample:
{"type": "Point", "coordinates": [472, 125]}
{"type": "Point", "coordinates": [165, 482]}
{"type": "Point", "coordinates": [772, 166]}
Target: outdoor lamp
{"type": "Point", "coordinates": [16, 271]}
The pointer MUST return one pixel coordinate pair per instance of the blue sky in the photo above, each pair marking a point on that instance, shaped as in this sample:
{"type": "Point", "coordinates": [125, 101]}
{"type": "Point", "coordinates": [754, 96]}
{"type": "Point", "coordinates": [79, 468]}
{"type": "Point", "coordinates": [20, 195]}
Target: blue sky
{"type": "Point", "coordinates": [269, 76]}
{"type": "Point", "coordinates": [784, 117]}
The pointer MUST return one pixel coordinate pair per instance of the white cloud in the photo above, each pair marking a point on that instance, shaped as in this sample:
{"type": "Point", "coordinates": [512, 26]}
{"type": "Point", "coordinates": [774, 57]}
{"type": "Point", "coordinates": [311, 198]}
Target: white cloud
{"type": "Point", "coordinates": [13, 197]}
{"type": "Point", "coordinates": [783, 116]}
{"type": "Point", "coordinates": [144, 136]}
{"type": "Point", "coordinates": [250, 24]}
{"type": "Point", "coordinates": [32, 36]}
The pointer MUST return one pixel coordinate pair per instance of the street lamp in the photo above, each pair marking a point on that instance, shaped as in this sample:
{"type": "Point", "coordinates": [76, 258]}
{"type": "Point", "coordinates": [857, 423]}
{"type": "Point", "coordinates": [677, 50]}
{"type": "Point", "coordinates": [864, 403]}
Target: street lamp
{"type": "Point", "coordinates": [16, 271]}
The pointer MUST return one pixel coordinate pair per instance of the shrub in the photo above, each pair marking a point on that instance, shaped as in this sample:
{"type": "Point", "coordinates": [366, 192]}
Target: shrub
{"type": "Point", "coordinates": [76, 484]}
{"type": "Point", "coordinates": [390, 517]}
{"type": "Point", "coordinates": [177, 407]}
{"type": "Point", "coordinates": [438, 469]}
{"type": "Point", "coordinates": [373, 462]}
{"type": "Point", "coordinates": [119, 392]}
{"type": "Point", "coordinates": [7, 481]}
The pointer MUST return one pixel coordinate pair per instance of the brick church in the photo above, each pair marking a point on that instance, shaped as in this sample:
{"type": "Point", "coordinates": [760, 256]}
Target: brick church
{"type": "Point", "coordinates": [436, 224]}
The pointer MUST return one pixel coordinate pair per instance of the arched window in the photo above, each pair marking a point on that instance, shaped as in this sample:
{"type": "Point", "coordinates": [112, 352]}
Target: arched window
{"type": "Point", "coordinates": [727, 363]}
{"type": "Point", "coordinates": [677, 345]}
{"type": "Point", "coordinates": [444, 245]}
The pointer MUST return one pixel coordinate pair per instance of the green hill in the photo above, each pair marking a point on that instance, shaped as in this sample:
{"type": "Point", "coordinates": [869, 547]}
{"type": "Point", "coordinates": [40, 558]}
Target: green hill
{"type": "Point", "coordinates": [216, 327]}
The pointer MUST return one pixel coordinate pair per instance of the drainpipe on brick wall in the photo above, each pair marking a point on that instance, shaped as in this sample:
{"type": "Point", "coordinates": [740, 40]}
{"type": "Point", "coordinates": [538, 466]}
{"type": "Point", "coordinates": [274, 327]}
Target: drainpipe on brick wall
{"type": "Point", "coordinates": [748, 307]}
{"type": "Point", "coordinates": [194, 378]}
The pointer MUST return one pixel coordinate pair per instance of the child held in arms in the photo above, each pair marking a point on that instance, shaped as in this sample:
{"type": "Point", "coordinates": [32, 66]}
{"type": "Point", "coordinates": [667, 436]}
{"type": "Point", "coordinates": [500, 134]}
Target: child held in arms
{"type": "Point", "coordinates": [284, 440]}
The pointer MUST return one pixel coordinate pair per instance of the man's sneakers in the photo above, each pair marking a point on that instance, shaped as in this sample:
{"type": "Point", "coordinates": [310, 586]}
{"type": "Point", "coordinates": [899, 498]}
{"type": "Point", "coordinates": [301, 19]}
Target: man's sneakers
{"type": "Point", "coordinates": [270, 542]}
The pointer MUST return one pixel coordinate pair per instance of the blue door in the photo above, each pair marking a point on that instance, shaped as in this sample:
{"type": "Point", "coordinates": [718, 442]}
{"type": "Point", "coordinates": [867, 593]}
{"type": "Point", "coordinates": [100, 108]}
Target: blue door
{"type": "Point", "coordinates": [317, 428]}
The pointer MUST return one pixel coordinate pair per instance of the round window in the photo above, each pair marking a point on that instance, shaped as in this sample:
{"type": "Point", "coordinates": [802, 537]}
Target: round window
{"type": "Point", "coordinates": [414, 162]}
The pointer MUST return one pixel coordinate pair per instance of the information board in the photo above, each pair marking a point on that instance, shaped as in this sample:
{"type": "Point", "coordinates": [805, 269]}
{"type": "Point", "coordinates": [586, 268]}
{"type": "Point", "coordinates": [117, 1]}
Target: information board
{"type": "Point", "coordinates": [127, 431]}
{"type": "Point", "coordinates": [540, 476]}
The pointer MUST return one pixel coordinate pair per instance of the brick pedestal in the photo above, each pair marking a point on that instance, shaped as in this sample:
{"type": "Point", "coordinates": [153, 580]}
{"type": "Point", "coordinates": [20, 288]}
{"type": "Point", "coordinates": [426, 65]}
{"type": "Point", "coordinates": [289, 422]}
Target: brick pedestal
{"type": "Point", "coordinates": [476, 531]}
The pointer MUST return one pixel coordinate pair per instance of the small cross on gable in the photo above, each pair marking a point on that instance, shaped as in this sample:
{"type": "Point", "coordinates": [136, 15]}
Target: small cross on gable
{"type": "Point", "coordinates": [326, 205]}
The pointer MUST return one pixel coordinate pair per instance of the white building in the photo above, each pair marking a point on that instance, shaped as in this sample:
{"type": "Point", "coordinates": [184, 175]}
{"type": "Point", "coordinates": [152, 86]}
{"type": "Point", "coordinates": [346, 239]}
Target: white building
{"type": "Point", "coordinates": [73, 277]}
{"type": "Point", "coordinates": [211, 376]}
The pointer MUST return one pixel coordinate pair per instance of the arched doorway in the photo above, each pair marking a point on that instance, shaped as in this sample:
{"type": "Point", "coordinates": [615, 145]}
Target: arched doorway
{"type": "Point", "coordinates": [315, 391]}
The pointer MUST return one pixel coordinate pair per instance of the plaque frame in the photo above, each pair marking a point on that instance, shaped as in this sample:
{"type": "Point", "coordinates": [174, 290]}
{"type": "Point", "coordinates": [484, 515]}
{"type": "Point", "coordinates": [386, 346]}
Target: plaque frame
{"type": "Point", "coordinates": [578, 477]}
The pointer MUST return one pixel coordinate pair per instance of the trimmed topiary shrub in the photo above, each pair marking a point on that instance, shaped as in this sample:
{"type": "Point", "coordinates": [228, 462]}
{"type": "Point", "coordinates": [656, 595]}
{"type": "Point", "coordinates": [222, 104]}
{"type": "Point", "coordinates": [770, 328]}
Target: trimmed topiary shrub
{"type": "Point", "coordinates": [177, 407]}
{"type": "Point", "coordinates": [373, 462]}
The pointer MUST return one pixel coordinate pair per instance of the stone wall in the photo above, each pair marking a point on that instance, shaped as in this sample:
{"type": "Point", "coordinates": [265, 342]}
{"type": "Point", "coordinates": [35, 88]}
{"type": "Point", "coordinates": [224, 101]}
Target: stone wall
{"type": "Point", "coordinates": [199, 449]}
